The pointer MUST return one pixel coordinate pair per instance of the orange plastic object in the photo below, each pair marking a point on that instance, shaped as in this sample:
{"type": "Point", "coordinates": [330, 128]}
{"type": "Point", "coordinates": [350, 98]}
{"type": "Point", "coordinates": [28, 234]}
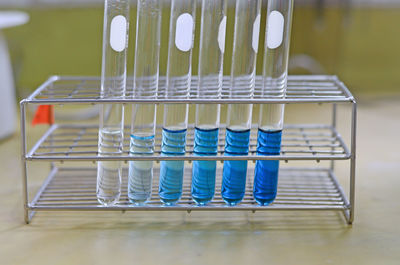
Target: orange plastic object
{"type": "Point", "coordinates": [44, 115]}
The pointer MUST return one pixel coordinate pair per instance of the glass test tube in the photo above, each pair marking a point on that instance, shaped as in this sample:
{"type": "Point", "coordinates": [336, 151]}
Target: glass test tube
{"type": "Point", "coordinates": [243, 73]}
{"type": "Point", "coordinates": [145, 86]}
{"type": "Point", "coordinates": [113, 85]}
{"type": "Point", "coordinates": [212, 46]}
{"type": "Point", "coordinates": [275, 72]}
{"type": "Point", "coordinates": [177, 87]}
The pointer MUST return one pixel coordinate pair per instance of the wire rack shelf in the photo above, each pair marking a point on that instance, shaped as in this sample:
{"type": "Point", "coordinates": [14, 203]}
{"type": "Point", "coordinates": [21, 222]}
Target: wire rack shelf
{"type": "Point", "coordinates": [301, 89]}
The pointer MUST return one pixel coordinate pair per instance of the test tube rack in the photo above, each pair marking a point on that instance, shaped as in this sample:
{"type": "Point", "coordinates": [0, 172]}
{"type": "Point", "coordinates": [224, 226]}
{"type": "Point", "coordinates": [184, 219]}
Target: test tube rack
{"type": "Point", "coordinates": [69, 188]}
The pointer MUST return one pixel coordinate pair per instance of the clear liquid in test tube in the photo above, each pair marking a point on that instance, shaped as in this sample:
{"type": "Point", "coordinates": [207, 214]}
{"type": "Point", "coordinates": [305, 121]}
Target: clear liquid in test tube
{"type": "Point", "coordinates": [179, 70]}
{"type": "Point", "coordinates": [212, 46]}
{"type": "Point", "coordinates": [275, 73]}
{"type": "Point", "coordinates": [145, 86]}
{"type": "Point", "coordinates": [243, 73]}
{"type": "Point", "coordinates": [113, 85]}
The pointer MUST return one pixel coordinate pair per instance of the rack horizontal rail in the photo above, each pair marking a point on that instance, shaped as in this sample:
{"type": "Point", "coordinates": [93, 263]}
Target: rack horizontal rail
{"type": "Point", "coordinates": [80, 143]}
{"type": "Point", "coordinates": [83, 90]}
{"type": "Point", "coordinates": [299, 189]}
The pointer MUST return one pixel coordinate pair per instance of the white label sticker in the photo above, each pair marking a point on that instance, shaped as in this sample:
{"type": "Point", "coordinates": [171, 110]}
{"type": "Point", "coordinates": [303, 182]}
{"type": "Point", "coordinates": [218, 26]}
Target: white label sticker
{"type": "Point", "coordinates": [118, 33]}
{"type": "Point", "coordinates": [256, 32]}
{"type": "Point", "coordinates": [276, 23]}
{"type": "Point", "coordinates": [222, 34]}
{"type": "Point", "coordinates": [184, 32]}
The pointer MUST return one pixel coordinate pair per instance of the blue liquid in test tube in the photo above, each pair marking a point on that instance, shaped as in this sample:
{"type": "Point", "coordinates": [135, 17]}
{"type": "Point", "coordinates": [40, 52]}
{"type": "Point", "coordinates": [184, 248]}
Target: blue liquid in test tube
{"type": "Point", "coordinates": [171, 172]}
{"type": "Point", "coordinates": [212, 46]}
{"type": "Point", "coordinates": [145, 86]}
{"type": "Point", "coordinates": [275, 72]}
{"type": "Point", "coordinates": [203, 180]}
{"type": "Point", "coordinates": [234, 173]}
{"type": "Point", "coordinates": [266, 171]}
{"type": "Point", "coordinates": [245, 48]}
{"type": "Point", "coordinates": [182, 24]}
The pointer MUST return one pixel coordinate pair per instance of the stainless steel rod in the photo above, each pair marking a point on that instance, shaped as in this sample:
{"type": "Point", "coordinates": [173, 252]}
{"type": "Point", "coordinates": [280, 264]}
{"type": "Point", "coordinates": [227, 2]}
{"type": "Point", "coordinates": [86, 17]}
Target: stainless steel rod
{"type": "Point", "coordinates": [186, 158]}
{"type": "Point", "coordinates": [25, 195]}
{"type": "Point", "coordinates": [191, 208]}
{"type": "Point", "coordinates": [353, 162]}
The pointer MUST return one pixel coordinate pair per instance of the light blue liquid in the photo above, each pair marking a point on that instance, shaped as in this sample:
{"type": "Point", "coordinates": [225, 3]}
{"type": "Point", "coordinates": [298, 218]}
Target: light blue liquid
{"type": "Point", "coordinates": [203, 175]}
{"type": "Point", "coordinates": [266, 171]}
{"type": "Point", "coordinates": [234, 173]}
{"type": "Point", "coordinates": [140, 172]}
{"type": "Point", "coordinates": [171, 172]}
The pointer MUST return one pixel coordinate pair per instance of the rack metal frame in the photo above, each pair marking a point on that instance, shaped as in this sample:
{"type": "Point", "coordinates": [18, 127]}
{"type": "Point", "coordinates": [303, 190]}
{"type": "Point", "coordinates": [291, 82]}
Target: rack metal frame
{"type": "Point", "coordinates": [299, 188]}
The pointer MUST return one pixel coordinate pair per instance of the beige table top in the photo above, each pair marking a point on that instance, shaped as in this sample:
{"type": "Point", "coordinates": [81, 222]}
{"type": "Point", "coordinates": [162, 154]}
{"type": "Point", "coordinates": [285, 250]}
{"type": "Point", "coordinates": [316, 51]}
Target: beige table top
{"type": "Point", "coordinates": [221, 238]}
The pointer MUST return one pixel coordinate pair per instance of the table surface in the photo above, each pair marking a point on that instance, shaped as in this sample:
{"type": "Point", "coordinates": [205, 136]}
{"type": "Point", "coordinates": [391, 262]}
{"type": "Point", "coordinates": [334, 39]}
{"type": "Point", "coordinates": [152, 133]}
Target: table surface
{"type": "Point", "coordinates": [10, 19]}
{"type": "Point", "coordinates": [221, 238]}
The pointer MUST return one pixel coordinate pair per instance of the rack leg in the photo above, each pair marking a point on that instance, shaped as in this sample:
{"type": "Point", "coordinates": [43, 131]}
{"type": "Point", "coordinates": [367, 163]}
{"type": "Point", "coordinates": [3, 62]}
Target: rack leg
{"type": "Point", "coordinates": [353, 161]}
{"type": "Point", "coordinates": [27, 216]}
{"type": "Point", "coordinates": [23, 163]}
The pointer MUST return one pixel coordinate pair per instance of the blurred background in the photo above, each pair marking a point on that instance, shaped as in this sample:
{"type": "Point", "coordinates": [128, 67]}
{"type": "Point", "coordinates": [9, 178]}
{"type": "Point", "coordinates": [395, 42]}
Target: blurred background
{"type": "Point", "coordinates": [357, 40]}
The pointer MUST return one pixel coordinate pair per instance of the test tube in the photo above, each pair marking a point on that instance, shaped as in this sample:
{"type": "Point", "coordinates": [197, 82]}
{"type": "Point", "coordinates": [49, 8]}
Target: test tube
{"type": "Point", "coordinates": [145, 86]}
{"type": "Point", "coordinates": [182, 25]}
{"type": "Point", "coordinates": [243, 73]}
{"type": "Point", "coordinates": [275, 73]}
{"type": "Point", "coordinates": [113, 85]}
{"type": "Point", "coordinates": [212, 46]}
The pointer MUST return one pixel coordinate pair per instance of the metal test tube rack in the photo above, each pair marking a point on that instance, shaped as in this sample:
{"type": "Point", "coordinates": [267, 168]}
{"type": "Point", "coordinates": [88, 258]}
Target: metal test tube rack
{"type": "Point", "coordinates": [74, 189]}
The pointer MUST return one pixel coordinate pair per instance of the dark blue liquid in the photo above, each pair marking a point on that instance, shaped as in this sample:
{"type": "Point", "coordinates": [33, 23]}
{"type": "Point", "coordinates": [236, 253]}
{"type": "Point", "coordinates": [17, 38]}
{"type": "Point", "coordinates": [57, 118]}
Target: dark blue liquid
{"type": "Point", "coordinates": [203, 175]}
{"type": "Point", "coordinates": [234, 173]}
{"type": "Point", "coordinates": [171, 172]}
{"type": "Point", "coordinates": [266, 172]}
